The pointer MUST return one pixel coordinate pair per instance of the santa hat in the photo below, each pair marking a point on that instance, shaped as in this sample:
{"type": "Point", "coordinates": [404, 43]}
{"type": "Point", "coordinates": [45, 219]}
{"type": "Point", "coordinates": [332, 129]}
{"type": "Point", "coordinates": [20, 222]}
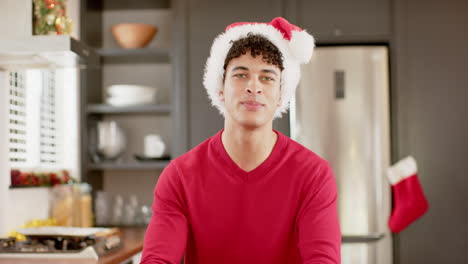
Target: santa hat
{"type": "Point", "coordinates": [294, 43]}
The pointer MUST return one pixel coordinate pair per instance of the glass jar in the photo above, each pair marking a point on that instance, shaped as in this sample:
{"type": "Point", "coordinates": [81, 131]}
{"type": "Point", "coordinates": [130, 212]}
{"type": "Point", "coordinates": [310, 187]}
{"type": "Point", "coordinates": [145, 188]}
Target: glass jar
{"type": "Point", "coordinates": [86, 205]}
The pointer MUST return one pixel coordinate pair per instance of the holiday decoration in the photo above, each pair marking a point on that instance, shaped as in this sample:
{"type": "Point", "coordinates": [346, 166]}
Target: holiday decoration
{"type": "Point", "coordinates": [50, 17]}
{"type": "Point", "coordinates": [409, 202]}
{"type": "Point", "coordinates": [295, 44]}
{"type": "Point", "coordinates": [38, 179]}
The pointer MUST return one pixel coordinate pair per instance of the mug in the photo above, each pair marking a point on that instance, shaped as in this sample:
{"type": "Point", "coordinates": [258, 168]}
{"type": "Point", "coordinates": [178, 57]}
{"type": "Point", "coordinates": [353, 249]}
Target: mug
{"type": "Point", "coordinates": [154, 146]}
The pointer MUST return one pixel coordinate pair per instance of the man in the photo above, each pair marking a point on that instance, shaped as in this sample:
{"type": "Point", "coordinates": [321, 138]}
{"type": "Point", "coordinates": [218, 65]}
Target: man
{"type": "Point", "coordinates": [248, 194]}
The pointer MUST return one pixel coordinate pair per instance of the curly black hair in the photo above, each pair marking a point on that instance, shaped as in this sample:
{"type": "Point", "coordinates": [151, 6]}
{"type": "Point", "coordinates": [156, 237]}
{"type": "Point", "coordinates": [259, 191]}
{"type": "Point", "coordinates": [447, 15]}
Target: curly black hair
{"type": "Point", "coordinates": [257, 45]}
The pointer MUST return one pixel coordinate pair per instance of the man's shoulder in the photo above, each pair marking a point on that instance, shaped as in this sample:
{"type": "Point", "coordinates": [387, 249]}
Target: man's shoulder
{"type": "Point", "coordinates": [304, 153]}
{"type": "Point", "coordinates": [305, 158]}
{"type": "Point", "coordinates": [306, 165]}
{"type": "Point", "coordinates": [194, 156]}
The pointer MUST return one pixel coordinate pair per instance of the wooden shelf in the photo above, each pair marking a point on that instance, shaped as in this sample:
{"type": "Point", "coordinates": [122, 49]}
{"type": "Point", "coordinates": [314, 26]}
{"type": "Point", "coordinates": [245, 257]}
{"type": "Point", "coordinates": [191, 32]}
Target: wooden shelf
{"type": "Point", "coordinates": [148, 55]}
{"type": "Point", "coordinates": [138, 5]}
{"type": "Point", "coordinates": [134, 165]}
{"type": "Point", "coordinates": [45, 51]}
{"type": "Point", "coordinates": [22, 187]}
{"type": "Point", "coordinates": [137, 109]}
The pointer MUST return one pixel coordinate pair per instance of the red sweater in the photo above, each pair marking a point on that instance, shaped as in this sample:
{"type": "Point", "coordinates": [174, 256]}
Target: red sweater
{"type": "Point", "coordinates": [284, 211]}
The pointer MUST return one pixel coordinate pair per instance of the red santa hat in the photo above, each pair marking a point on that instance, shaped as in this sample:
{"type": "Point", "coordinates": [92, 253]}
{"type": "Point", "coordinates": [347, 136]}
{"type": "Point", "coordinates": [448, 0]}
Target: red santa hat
{"type": "Point", "coordinates": [294, 43]}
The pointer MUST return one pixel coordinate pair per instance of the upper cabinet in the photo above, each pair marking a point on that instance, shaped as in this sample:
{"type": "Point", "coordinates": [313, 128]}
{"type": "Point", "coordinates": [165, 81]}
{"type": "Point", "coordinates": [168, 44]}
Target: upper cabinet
{"type": "Point", "coordinates": [339, 20]}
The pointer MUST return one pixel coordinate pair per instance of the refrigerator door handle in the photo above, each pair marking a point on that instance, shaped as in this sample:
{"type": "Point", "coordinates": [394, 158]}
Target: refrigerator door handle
{"type": "Point", "coordinates": [369, 238]}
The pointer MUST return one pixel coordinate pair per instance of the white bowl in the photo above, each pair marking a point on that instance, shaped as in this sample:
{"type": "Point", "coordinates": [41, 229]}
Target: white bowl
{"type": "Point", "coordinates": [126, 94]}
{"type": "Point", "coordinates": [130, 90]}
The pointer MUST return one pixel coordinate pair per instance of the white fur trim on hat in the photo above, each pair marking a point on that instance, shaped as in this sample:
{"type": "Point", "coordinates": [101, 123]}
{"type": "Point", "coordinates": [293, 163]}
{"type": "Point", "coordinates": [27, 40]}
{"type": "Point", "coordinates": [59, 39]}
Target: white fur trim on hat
{"type": "Point", "coordinates": [213, 75]}
{"type": "Point", "coordinates": [302, 46]}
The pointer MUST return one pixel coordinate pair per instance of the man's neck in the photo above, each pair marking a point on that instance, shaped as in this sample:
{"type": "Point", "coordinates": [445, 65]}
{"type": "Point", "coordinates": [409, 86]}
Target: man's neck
{"type": "Point", "coordinates": [248, 148]}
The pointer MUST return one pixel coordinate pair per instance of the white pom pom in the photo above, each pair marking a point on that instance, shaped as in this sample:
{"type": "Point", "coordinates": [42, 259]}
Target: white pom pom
{"type": "Point", "coordinates": [302, 46]}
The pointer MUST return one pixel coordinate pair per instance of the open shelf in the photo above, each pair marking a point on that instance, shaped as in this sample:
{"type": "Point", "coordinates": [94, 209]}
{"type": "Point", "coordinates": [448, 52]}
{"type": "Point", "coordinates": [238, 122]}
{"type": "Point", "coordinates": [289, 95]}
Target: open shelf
{"type": "Point", "coordinates": [137, 109]}
{"type": "Point", "coordinates": [45, 51]}
{"type": "Point", "coordinates": [23, 187]}
{"type": "Point", "coordinates": [133, 165]}
{"type": "Point", "coordinates": [148, 55]}
{"type": "Point", "coordinates": [126, 4]}
{"type": "Point", "coordinates": [159, 65]}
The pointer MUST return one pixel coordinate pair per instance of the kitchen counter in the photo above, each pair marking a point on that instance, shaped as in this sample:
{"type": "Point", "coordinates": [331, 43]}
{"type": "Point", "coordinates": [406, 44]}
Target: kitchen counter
{"type": "Point", "coordinates": [132, 244]}
{"type": "Point", "coordinates": [132, 239]}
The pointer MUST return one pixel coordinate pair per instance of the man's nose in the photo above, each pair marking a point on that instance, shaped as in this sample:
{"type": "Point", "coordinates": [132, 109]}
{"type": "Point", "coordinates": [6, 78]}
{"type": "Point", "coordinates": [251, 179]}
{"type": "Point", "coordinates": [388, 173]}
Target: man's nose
{"type": "Point", "coordinates": [254, 86]}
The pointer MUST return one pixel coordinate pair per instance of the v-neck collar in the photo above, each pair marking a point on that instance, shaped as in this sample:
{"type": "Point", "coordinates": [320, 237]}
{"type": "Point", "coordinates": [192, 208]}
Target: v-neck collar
{"type": "Point", "coordinates": [261, 169]}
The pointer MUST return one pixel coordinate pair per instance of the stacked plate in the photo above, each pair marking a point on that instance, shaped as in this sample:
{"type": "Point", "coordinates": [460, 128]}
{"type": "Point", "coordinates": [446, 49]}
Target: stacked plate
{"type": "Point", "coordinates": [126, 95]}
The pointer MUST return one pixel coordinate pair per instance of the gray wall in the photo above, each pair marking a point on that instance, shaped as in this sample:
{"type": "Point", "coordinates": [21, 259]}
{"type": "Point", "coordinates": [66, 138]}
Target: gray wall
{"type": "Point", "coordinates": [430, 99]}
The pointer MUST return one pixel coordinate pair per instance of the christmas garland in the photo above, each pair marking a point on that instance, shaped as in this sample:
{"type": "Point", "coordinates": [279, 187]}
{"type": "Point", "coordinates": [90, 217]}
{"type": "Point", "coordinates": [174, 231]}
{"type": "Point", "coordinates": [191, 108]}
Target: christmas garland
{"type": "Point", "coordinates": [40, 179]}
{"type": "Point", "coordinates": [50, 18]}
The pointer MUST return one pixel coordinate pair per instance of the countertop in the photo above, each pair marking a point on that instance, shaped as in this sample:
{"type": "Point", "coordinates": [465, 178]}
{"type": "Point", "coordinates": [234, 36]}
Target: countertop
{"type": "Point", "coordinates": [132, 244]}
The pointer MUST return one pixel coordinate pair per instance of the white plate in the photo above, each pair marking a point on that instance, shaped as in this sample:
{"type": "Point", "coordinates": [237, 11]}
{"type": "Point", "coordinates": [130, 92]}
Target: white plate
{"type": "Point", "coordinates": [61, 231]}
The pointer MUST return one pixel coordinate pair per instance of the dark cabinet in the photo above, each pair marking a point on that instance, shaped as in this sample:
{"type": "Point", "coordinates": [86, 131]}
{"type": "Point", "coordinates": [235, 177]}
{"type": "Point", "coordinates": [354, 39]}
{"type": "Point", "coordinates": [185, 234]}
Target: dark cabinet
{"type": "Point", "coordinates": [332, 20]}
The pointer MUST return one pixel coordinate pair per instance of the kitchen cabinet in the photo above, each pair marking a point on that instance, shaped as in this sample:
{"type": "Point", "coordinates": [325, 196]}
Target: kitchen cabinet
{"type": "Point", "coordinates": [344, 21]}
{"type": "Point", "coordinates": [430, 102]}
{"type": "Point", "coordinates": [157, 65]}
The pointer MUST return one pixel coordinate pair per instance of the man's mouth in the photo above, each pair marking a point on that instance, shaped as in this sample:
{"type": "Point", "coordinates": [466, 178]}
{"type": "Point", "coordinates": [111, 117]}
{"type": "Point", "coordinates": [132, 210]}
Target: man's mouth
{"type": "Point", "coordinates": [252, 105]}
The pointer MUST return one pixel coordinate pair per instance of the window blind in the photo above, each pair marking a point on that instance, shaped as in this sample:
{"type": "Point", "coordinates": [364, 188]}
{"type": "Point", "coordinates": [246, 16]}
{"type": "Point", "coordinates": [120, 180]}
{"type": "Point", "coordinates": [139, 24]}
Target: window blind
{"type": "Point", "coordinates": [17, 119]}
{"type": "Point", "coordinates": [48, 121]}
{"type": "Point", "coordinates": [32, 119]}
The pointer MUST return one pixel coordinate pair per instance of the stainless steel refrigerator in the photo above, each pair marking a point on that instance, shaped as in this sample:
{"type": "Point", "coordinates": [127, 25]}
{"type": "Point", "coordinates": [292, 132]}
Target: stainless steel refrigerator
{"type": "Point", "coordinates": [341, 112]}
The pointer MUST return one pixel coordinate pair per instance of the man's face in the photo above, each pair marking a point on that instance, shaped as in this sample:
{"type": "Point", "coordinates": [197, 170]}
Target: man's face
{"type": "Point", "coordinates": [251, 91]}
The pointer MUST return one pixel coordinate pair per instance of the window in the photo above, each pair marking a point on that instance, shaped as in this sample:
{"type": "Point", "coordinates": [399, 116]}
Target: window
{"type": "Point", "coordinates": [32, 119]}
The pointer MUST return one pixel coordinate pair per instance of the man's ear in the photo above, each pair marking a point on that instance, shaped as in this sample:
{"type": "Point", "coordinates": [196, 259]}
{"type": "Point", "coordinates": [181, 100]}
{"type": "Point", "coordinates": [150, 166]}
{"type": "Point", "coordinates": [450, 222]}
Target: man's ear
{"type": "Point", "coordinates": [221, 95]}
{"type": "Point", "coordinates": [281, 96]}
{"type": "Point", "coordinates": [279, 100]}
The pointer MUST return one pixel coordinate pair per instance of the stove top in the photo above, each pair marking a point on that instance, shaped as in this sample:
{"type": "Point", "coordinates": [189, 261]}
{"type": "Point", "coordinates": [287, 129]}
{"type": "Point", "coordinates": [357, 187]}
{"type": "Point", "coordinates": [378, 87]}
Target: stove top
{"type": "Point", "coordinates": [60, 246]}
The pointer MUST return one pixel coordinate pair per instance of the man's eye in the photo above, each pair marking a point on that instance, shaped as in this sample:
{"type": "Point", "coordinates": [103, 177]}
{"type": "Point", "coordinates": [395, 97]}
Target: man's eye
{"type": "Point", "coordinates": [268, 79]}
{"type": "Point", "coordinates": [240, 75]}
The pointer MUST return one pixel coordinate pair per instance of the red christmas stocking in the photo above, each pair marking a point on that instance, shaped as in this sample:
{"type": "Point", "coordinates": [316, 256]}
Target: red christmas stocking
{"type": "Point", "coordinates": [409, 202]}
